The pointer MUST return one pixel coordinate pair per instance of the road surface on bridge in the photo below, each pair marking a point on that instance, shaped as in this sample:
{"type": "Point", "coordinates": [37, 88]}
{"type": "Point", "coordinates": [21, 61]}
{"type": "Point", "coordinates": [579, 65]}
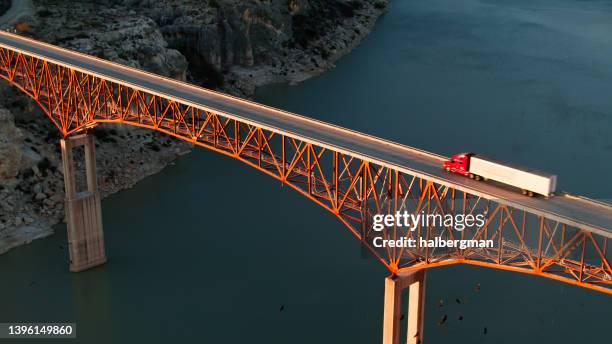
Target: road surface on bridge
{"type": "Point", "coordinates": [572, 210]}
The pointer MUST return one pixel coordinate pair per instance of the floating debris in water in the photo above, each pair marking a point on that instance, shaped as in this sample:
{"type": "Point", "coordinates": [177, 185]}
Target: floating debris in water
{"type": "Point", "coordinates": [443, 320]}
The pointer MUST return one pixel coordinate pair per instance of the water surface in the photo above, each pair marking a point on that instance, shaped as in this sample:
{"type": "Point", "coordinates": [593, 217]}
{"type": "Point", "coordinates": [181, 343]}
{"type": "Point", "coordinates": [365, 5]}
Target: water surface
{"type": "Point", "coordinates": [209, 250]}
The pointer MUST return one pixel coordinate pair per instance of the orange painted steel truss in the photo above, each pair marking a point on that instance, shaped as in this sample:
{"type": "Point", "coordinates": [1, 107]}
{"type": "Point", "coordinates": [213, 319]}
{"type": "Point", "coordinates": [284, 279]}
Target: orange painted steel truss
{"type": "Point", "coordinates": [350, 188]}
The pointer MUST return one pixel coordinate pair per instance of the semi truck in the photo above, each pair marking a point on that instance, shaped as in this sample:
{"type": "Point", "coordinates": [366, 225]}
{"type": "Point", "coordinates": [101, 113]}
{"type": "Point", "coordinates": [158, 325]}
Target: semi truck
{"type": "Point", "coordinates": [530, 182]}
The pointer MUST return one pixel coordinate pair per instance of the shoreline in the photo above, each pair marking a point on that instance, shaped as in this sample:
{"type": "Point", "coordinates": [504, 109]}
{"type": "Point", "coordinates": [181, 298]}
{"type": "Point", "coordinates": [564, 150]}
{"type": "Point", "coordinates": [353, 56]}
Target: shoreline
{"type": "Point", "coordinates": [29, 225]}
{"type": "Point", "coordinates": [267, 75]}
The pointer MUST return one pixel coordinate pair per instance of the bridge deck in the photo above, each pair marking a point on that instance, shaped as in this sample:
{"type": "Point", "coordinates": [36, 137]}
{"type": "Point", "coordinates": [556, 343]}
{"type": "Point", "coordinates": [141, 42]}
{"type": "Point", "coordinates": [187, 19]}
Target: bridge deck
{"type": "Point", "coordinates": [569, 209]}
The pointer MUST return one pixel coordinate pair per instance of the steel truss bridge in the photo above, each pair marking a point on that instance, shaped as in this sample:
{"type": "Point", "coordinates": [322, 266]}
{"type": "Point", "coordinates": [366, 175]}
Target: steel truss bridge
{"type": "Point", "coordinates": [351, 175]}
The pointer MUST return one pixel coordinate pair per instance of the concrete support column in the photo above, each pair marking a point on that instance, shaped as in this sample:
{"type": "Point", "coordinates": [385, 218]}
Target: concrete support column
{"type": "Point", "coordinates": [393, 309]}
{"type": "Point", "coordinates": [416, 308]}
{"type": "Point", "coordinates": [415, 281]}
{"type": "Point", "coordinates": [83, 208]}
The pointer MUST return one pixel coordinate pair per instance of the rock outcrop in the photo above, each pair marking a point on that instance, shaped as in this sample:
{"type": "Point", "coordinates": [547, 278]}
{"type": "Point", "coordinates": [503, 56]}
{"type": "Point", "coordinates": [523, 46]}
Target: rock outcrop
{"type": "Point", "coordinates": [232, 45]}
{"type": "Point", "coordinates": [238, 45]}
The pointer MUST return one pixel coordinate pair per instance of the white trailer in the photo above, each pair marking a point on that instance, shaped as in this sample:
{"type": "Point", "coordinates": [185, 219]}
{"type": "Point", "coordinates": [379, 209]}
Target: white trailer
{"type": "Point", "coordinates": [529, 181]}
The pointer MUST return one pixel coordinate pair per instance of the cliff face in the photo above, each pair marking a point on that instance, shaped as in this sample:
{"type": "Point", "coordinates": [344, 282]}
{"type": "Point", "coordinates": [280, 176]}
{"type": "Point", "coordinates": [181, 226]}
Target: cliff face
{"type": "Point", "coordinates": [237, 44]}
{"type": "Point", "coordinates": [231, 45]}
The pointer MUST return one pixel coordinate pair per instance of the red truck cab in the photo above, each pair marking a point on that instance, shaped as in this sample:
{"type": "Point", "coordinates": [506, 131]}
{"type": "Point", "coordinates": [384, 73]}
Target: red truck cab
{"type": "Point", "coordinates": [459, 163]}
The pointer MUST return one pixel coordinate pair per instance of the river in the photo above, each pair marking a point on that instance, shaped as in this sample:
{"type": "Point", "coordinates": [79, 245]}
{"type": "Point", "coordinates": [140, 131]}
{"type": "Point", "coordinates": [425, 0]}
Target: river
{"type": "Point", "coordinates": [211, 251]}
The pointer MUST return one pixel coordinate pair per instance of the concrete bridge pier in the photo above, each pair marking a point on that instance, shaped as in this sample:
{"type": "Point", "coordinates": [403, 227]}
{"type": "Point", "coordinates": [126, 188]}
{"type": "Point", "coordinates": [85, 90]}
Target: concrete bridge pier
{"type": "Point", "coordinates": [415, 282]}
{"type": "Point", "coordinates": [83, 208]}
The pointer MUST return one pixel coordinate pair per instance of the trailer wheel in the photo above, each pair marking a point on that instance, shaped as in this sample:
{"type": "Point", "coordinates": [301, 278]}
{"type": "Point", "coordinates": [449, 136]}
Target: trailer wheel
{"type": "Point", "coordinates": [477, 177]}
{"type": "Point", "coordinates": [471, 176]}
{"type": "Point", "coordinates": [524, 192]}
{"type": "Point", "coordinates": [530, 193]}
